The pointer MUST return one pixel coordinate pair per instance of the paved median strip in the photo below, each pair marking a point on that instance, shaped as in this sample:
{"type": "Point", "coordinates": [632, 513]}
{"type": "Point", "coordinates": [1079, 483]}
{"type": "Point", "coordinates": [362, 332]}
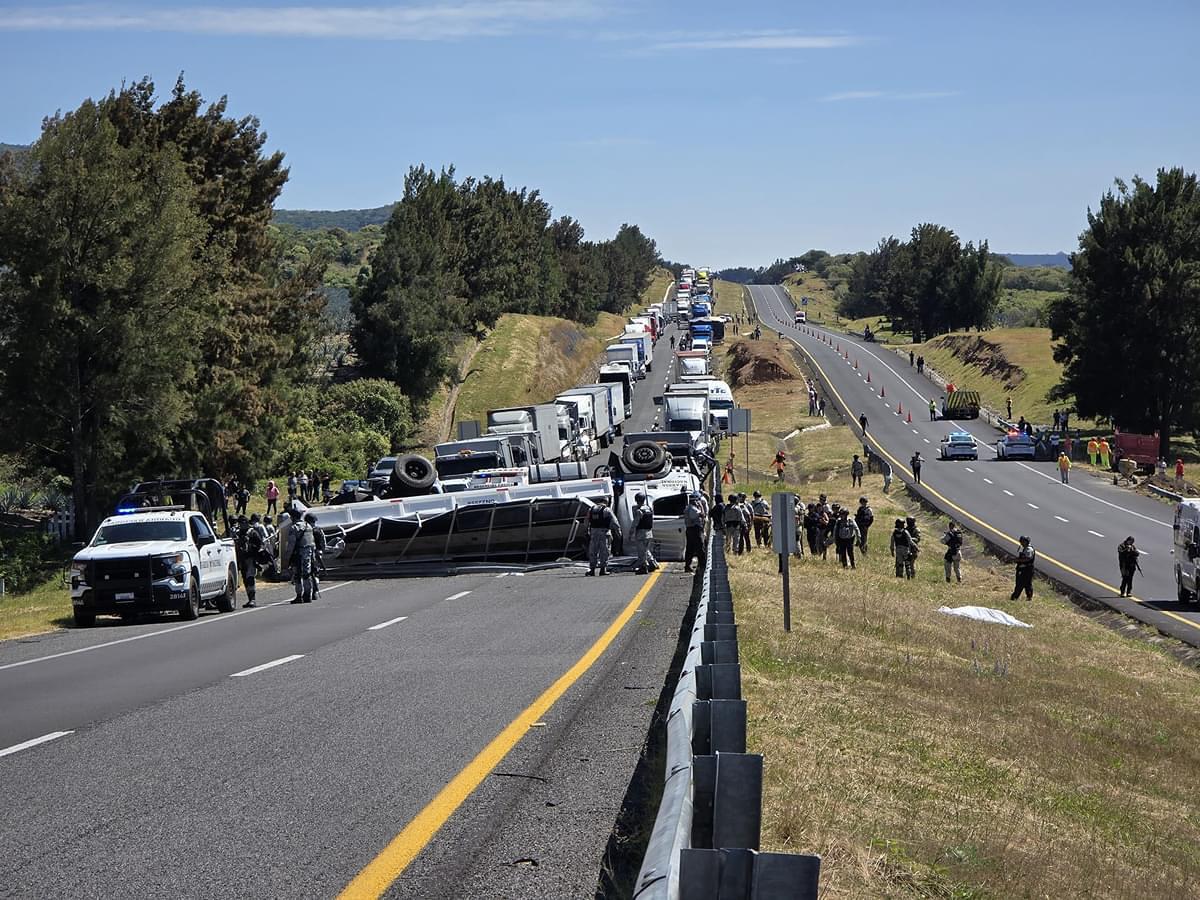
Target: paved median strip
{"type": "Point", "coordinates": [394, 621]}
{"type": "Point", "coordinates": [269, 665]}
{"type": "Point", "coordinates": [33, 742]}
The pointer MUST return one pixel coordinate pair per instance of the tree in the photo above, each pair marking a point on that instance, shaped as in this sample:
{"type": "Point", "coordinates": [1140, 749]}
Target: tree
{"type": "Point", "coordinates": [411, 302]}
{"type": "Point", "coordinates": [977, 283]}
{"type": "Point", "coordinates": [1129, 330]}
{"type": "Point", "coordinates": [99, 281]}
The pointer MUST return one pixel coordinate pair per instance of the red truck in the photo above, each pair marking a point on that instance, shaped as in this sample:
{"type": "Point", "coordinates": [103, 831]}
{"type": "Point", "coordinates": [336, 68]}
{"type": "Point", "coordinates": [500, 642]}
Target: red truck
{"type": "Point", "coordinates": [1141, 448]}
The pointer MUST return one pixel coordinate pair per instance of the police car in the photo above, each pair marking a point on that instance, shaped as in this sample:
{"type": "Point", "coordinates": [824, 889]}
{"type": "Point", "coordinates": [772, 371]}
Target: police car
{"type": "Point", "coordinates": [958, 445]}
{"type": "Point", "coordinates": [153, 560]}
{"type": "Point", "coordinates": [1016, 445]}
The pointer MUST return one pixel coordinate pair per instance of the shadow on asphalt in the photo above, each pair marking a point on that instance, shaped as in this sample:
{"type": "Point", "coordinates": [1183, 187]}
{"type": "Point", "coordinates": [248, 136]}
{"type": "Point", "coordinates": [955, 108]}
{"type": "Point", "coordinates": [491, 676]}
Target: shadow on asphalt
{"type": "Point", "coordinates": [631, 833]}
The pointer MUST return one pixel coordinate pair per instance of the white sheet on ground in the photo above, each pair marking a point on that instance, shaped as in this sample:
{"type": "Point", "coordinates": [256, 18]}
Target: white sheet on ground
{"type": "Point", "coordinates": [984, 614]}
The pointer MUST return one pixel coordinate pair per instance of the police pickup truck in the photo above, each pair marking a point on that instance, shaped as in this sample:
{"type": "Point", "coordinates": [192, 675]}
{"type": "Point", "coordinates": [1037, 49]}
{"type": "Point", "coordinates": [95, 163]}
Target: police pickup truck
{"type": "Point", "coordinates": [153, 559]}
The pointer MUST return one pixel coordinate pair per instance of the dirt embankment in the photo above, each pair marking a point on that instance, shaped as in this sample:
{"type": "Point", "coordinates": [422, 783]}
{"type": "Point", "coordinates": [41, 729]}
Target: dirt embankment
{"type": "Point", "coordinates": [989, 358]}
{"type": "Point", "coordinates": [759, 362]}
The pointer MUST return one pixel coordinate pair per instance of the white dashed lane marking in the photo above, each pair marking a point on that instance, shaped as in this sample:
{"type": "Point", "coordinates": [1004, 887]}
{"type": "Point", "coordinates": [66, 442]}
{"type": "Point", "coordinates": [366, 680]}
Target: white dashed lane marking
{"type": "Point", "coordinates": [458, 596]}
{"type": "Point", "coordinates": [1032, 505]}
{"type": "Point", "coordinates": [988, 481]}
{"type": "Point", "coordinates": [33, 742]}
{"type": "Point", "coordinates": [969, 469]}
{"type": "Point", "coordinates": [270, 665]}
{"type": "Point", "coordinates": [1007, 491]}
{"type": "Point", "coordinates": [1096, 533]}
{"type": "Point", "coordinates": [387, 623]}
{"type": "Point", "coordinates": [1061, 519]}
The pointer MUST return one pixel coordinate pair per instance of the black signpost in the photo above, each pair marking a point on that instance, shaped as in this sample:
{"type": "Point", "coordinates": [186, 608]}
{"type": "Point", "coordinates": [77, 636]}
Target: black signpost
{"type": "Point", "coordinates": [783, 539]}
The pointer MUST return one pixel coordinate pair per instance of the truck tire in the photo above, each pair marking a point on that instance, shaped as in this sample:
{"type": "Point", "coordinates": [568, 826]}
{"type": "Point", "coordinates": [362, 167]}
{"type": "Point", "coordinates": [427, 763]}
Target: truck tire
{"type": "Point", "coordinates": [413, 475]}
{"type": "Point", "coordinates": [191, 606]}
{"type": "Point", "coordinates": [227, 602]}
{"type": "Point", "coordinates": [1185, 596]}
{"type": "Point", "coordinates": [84, 618]}
{"type": "Point", "coordinates": [643, 457]}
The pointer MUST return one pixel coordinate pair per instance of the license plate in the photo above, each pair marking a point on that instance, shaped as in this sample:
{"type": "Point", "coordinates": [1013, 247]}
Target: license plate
{"type": "Point", "coordinates": [125, 595]}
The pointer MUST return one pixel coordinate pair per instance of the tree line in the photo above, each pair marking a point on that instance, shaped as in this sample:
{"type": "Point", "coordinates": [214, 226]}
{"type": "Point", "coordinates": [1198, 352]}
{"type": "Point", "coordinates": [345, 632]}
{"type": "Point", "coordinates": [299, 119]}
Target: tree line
{"type": "Point", "coordinates": [455, 256]}
{"type": "Point", "coordinates": [154, 322]}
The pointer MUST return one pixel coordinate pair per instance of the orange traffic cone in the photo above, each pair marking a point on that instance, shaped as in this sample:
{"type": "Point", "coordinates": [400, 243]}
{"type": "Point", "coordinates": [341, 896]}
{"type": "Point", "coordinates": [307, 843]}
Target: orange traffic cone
{"type": "Point", "coordinates": [839, 348]}
{"type": "Point", "coordinates": [909, 419]}
{"type": "Point", "coordinates": [899, 409]}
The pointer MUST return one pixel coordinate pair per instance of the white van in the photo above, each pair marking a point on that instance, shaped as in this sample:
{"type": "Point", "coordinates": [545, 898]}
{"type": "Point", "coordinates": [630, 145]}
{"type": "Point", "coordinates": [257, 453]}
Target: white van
{"type": "Point", "coordinates": [1187, 549]}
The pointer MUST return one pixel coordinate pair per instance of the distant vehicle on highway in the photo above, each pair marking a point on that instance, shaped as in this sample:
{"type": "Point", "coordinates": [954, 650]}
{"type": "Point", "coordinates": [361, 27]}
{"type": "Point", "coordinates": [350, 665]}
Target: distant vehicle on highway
{"type": "Point", "coordinates": [958, 445]}
{"type": "Point", "coordinates": [801, 317]}
{"type": "Point", "coordinates": [382, 469]}
{"type": "Point", "coordinates": [1016, 445]}
{"type": "Point", "coordinates": [1187, 550]}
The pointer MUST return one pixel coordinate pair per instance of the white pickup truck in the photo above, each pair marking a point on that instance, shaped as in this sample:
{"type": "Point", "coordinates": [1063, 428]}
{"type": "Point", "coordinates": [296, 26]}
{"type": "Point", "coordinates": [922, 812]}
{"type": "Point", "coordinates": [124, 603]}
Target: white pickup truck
{"type": "Point", "coordinates": [153, 560]}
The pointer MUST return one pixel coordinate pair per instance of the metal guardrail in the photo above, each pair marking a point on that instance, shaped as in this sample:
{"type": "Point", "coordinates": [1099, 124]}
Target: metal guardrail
{"type": "Point", "coordinates": [704, 844]}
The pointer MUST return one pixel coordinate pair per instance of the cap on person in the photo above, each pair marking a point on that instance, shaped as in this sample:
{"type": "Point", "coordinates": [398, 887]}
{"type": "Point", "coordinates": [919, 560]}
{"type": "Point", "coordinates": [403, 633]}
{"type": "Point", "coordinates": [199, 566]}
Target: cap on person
{"type": "Point", "coordinates": [758, 493]}
{"type": "Point", "coordinates": [862, 500]}
{"type": "Point", "coordinates": [241, 518]}
{"type": "Point", "coordinates": [254, 517]}
{"type": "Point", "coordinates": [899, 523]}
{"type": "Point", "coordinates": [1024, 539]}
{"type": "Point", "coordinates": [639, 498]}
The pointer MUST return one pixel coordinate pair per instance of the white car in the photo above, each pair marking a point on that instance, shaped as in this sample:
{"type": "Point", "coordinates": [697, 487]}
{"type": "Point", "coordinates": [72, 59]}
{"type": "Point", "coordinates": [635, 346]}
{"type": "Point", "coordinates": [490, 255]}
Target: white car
{"type": "Point", "coordinates": [153, 560]}
{"type": "Point", "coordinates": [958, 445]}
{"type": "Point", "coordinates": [1016, 445]}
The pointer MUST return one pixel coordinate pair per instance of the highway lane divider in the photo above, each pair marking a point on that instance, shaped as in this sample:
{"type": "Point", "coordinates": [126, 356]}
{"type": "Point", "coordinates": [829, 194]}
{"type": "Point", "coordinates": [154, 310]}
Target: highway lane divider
{"type": "Point", "coordinates": [34, 742]}
{"type": "Point", "coordinates": [985, 529]}
{"type": "Point", "coordinates": [705, 839]}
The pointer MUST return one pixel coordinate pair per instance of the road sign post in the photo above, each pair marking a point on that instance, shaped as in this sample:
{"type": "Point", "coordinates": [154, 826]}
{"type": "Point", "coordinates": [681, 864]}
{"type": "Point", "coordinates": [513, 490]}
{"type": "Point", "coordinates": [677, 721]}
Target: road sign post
{"type": "Point", "coordinates": [739, 423]}
{"type": "Point", "coordinates": [783, 540]}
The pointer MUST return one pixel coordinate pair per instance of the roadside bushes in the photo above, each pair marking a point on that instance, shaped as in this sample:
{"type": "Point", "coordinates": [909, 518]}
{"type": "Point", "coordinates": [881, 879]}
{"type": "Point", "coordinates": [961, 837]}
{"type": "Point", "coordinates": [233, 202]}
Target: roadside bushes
{"type": "Point", "coordinates": [26, 557]}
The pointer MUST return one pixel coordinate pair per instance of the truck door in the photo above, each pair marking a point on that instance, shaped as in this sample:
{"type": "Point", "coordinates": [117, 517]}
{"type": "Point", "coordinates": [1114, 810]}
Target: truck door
{"type": "Point", "coordinates": [211, 575]}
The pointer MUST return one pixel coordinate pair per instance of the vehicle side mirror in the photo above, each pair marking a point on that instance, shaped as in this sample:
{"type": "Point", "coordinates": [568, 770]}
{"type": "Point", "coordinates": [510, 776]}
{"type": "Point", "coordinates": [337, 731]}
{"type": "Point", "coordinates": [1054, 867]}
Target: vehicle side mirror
{"type": "Point", "coordinates": [78, 545]}
{"type": "Point", "coordinates": [205, 540]}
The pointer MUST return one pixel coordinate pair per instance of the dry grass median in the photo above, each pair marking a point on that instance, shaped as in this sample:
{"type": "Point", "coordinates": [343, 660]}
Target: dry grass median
{"type": "Point", "coordinates": [924, 755]}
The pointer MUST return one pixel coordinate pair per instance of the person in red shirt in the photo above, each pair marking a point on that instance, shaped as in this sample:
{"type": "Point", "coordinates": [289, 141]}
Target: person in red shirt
{"type": "Point", "coordinates": [1179, 469]}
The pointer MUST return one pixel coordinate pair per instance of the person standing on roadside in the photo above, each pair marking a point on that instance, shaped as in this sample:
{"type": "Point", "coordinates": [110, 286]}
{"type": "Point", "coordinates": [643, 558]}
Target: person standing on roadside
{"type": "Point", "coordinates": [911, 358]}
{"type": "Point", "coordinates": [1064, 467]}
{"type": "Point", "coordinates": [856, 472]}
{"type": "Point", "coordinates": [953, 539]}
{"type": "Point", "coordinates": [920, 365]}
{"type": "Point", "coordinates": [304, 549]}
{"type": "Point", "coordinates": [602, 528]}
{"type": "Point", "coordinates": [914, 537]}
{"type": "Point", "coordinates": [915, 463]}
{"type": "Point", "coordinates": [1179, 471]}
{"type": "Point", "coordinates": [716, 515]}
{"type": "Point", "coordinates": [900, 546]}
{"type": "Point", "coordinates": [1026, 557]}
{"type": "Point", "coordinates": [1105, 453]}
{"type": "Point", "coordinates": [864, 518]}
{"type": "Point", "coordinates": [272, 495]}
{"type": "Point", "coordinates": [847, 536]}
{"type": "Point", "coordinates": [779, 464]}
{"type": "Point", "coordinates": [862, 423]}
{"type": "Point", "coordinates": [932, 410]}
{"type": "Point", "coordinates": [1093, 449]}
{"type": "Point", "coordinates": [1008, 409]}
{"type": "Point", "coordinates": [1127, 561]}
{"type": "Point", "coordinates": [693, 520]}
{"type": "Point", "coordinates": [243, 500]}
{"type": "Point", "coordinates": [812, 528]}
{"type": "Point", "coordinates": [733, 524]}
{"type": "Point", "coordinates": [821, 407]}
{"type": "Point", "coordinates": [643, 534]}
{"type": "Point", "coordinates": [760, 510]}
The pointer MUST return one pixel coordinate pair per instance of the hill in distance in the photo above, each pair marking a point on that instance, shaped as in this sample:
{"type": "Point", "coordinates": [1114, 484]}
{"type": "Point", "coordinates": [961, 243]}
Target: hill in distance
{"type": "Point", "coordinates": [1058, 260]}
{"type": "Point", "coordinates": [347, 219]}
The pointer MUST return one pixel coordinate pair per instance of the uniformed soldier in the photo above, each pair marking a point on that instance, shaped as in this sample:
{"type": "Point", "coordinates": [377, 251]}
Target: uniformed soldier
{"type": "Point", "coordinates": [643, 534]}
{"type": "Point", "coordinates": [602, 528]}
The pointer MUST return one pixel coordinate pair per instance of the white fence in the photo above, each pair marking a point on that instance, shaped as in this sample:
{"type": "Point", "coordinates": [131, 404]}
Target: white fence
{"type": "Point", "coordinates": [61, 526]}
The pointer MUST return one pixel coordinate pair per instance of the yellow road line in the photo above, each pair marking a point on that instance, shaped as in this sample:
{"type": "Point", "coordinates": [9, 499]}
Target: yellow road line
{"type": "Point", "coordinates": [978, 521]}
{"type": "Point", "coordinates": [385, 868]}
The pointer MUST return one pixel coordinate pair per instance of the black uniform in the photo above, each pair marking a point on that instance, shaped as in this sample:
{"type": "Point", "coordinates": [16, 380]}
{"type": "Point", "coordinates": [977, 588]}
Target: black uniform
{"type": "Point", "coordinates": [1025, 560]}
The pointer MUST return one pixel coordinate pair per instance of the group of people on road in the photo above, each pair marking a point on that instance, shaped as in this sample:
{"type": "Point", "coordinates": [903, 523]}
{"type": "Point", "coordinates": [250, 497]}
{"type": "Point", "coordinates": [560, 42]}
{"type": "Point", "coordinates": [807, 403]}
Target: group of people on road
{"type": "Point", "coordinates": [296, 546]}
{"type": "Point", "coordinates": [309, 486]}
{"type": "Point", "coordinates": [917, 361]}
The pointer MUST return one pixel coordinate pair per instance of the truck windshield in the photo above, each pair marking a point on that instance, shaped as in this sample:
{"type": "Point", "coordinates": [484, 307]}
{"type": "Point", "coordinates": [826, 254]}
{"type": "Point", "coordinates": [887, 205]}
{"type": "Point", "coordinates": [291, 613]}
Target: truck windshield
{"type": "Point", "coordinates": [130, 532]}
{"type": "Point", "coordinates": [685, 425]}
{"type": "Point", "coordinates": [720, 404]}
{"type": "Point", "coordinates": [464, 465]}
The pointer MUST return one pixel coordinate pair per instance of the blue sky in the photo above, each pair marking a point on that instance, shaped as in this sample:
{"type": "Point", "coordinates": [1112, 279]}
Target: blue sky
{"type": "Point", "coordinates": [733, 133]}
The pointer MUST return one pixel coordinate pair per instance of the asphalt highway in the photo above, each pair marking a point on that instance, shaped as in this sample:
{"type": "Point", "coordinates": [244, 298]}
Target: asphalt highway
{"type": "Point", "coordinates": [286, 750]}
{"type": "Point", "coordinates": [1075, 528]}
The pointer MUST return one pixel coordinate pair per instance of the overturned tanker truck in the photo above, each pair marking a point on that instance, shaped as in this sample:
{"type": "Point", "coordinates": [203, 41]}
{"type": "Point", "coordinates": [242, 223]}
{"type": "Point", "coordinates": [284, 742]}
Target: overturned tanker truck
{"type": "Point", "coordinates": [520, 516]}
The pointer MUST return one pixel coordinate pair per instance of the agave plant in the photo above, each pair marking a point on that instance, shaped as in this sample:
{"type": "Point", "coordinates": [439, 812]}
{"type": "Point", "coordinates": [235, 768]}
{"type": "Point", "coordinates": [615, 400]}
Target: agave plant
{"type": "Point", "coordinates": [28, 499]}
{"type": "Point", "coordinates": [8, 500]}
{"type": "Point", "coordinates": [55, 500]}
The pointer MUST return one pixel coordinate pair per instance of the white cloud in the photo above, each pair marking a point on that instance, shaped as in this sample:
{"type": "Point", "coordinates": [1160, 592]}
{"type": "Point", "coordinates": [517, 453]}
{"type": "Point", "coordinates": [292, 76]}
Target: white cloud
{"type": "Point", "coordinates": [430, 21]}
{"type": "Point", "coordinates": [841, 96]}
{"type": "Point", "coordinates": [761, 40]}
